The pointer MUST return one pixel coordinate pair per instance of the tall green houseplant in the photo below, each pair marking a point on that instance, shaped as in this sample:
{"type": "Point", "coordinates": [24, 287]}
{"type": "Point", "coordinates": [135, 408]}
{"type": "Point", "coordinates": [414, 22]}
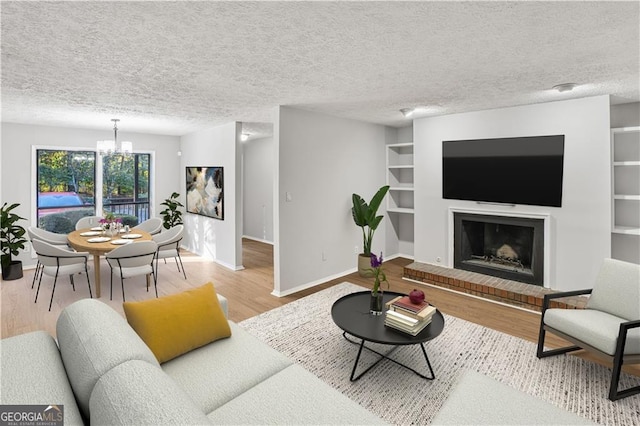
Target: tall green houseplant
{"type": "Point", "coordinates": [366, 217]}
{"type": "Point", "coordinates": [12, 240]}
{"type": "Point", "coordinates": [171, 216]}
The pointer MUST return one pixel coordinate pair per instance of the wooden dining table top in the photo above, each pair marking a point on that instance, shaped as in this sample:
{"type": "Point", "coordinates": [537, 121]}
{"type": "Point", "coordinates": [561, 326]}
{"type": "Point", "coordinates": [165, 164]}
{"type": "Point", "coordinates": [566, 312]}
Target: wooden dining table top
{"type": "Point", "coordinates": [82, 242]}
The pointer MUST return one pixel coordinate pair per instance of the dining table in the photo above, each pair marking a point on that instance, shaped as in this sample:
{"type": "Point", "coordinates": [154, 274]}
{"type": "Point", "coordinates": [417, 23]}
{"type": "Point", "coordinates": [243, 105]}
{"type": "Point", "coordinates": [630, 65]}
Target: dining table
{"type": "Point", "coordinates": [95, 242]}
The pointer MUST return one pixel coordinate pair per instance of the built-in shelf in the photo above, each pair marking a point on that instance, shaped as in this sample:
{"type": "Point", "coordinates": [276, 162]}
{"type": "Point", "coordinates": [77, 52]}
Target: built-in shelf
{"type": "Point", "coordinates": [399, 200]}
{"type": "Point", "coordinates": [625, 189]}
{"type": "Point", "coordinates": [628, 230]}
{"type": "Point", "coordinates": [626, 197]}
{"type": "Point", "coordinates": [400, 210]}
{"type": "Point", "coordinates": [406, 166]}
{"type": "Point", "coordinates": [400, 177]}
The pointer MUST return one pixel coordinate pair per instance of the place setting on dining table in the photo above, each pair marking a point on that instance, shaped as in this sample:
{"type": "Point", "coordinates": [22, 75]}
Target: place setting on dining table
{"type": "Point", "coordinates": [100, 240]}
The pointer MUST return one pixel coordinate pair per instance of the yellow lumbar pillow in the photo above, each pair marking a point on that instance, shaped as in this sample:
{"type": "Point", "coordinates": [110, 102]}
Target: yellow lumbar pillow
{"type": "Point", "coordinates": [176, 324]}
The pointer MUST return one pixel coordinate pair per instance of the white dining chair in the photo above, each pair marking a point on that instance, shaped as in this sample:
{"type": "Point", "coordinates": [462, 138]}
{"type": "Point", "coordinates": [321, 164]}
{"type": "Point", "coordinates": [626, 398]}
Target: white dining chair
{"type": "Point", "coordinates": [169, 246]}
{"type": "Point", "coordinates": [132, 260]}
{"type": "Point", "coordinates": [57, 261]}
{"type": "Point", "coordinates": [88, 222]}
{"type": "Point", "coordinates": [58, 240]}
{"type": "Point", "coordinates": [152, 226]}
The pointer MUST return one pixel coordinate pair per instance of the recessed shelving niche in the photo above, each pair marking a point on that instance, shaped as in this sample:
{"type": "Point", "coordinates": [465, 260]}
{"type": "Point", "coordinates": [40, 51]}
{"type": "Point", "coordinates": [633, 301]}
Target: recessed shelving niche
{"type": "Point", "coordinates": [400, 178]}
{"type": "Point", "coordinates": [625, 203]}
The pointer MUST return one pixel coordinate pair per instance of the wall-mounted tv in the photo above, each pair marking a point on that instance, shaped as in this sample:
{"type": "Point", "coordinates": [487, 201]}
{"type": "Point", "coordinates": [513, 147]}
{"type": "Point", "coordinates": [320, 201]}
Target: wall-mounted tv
{"type": "Point", "coordinates": [205, 191]}
{"type": "Point", "coordinates": [523, 170]}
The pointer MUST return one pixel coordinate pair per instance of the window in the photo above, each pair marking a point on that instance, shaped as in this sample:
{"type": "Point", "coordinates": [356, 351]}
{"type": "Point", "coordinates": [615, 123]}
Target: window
{"type": "Point", "coordinates": [67, 187]}
{"type": "Point", "coordinates": [125, 185]}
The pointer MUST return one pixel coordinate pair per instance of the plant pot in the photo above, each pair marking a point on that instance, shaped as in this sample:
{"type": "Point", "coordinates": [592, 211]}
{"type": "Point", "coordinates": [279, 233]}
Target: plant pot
{"type": "Point", "coordinates": [13, 271]}
{"type": "Point", "coordinates": [364, 266]}
{"type": "Point", "coordinates": [375, 305]}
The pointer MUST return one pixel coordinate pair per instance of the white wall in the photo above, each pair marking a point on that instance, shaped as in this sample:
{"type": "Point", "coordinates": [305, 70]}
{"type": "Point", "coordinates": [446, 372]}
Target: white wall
{"type": "Point", "coordinates": [16, 170]}
{"type": "Point", "coordinates": [220, 240]}
{"type": "Point", "coordinates": [322, 160]}
{"type": "Point", "coordinates": [580, 229]}
{"type": "Point", "coordinates": [257, 185]}
{"type": "Point", "coordinates": [405, 134]}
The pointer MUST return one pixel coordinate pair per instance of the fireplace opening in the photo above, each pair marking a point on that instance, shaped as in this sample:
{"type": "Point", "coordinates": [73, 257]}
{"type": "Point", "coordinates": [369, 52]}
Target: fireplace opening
{"type": "Point", "coordinates": [506, 247]}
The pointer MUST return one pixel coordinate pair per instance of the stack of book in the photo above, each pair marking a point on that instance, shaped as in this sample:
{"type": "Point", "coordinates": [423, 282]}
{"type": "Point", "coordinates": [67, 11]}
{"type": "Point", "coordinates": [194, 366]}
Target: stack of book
{"type": "Point", "coordinates": [408, 317]}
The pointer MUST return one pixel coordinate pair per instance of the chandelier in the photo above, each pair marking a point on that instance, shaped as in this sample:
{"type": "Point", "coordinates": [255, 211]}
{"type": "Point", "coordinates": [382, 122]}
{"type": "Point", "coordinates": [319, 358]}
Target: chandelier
{"type": "Point", "coordinates": [111, 146]}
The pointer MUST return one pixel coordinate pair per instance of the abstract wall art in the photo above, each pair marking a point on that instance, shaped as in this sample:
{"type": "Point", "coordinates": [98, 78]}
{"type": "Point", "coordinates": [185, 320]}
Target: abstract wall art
{"type": "Point", "coordinates": [205, 191]}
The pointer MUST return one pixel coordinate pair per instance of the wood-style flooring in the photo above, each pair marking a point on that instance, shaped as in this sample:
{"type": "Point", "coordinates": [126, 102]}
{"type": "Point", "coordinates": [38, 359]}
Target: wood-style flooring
{"type": "Point", "coordinates": [248, 292]}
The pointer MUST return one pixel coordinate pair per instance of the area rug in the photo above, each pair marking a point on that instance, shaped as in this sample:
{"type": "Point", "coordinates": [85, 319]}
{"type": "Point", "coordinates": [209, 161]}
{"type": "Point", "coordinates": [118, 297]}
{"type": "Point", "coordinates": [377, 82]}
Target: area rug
{"type": "Point", "coordinates": [304, 331]}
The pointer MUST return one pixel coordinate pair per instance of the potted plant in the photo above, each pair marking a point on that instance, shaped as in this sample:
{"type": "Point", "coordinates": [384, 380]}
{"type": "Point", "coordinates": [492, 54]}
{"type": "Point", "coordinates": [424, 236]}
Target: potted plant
{"type": "Point", "coordinates": [366, 217]}
{"type": "Point", "coordinates": [12, 241]}
{"type": "Point", "coordinates": [171, 216]}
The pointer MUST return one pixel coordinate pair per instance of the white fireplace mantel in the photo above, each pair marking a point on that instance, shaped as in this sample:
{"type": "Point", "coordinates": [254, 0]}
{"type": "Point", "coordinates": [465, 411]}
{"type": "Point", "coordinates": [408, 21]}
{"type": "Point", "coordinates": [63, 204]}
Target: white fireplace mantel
{"type": "Point", "coordinates": [504, 213]}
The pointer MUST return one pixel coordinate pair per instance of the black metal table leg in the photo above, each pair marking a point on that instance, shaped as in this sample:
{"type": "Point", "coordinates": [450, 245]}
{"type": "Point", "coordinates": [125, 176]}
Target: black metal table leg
{"type": "Point", "coordinates": [353, 378]}
{"type": "Point", "coordinates": [424, 351]}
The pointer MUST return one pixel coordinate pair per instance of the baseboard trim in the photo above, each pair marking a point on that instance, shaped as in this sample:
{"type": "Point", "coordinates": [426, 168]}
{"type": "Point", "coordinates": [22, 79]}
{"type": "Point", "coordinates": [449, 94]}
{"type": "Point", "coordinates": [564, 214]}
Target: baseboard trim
{"type": "Point", "coordinates": [229, 266]}
{"type": "Point", "coordinates": [395, 256]}
{"type": "Point", "coordinates": [260, 240]}
{"type": "Point", "coordinates": [312, 283]}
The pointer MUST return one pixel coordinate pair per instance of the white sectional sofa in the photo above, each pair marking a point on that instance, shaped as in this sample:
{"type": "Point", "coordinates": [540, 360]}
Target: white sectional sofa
{"type": "Point", "coordinates": [480, 400]}
{"type": "Point", "coordinates": [103, 373]}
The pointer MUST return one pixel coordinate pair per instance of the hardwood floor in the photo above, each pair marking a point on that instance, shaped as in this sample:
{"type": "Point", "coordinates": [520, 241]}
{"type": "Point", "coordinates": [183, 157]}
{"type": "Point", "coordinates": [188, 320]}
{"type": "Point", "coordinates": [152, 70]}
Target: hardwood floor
{"type": "Point", "coordinates": [249, 294]}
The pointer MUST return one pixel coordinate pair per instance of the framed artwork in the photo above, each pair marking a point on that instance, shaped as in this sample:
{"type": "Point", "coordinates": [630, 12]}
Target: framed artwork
{"type": "Point", "coordinates": [205, 191]}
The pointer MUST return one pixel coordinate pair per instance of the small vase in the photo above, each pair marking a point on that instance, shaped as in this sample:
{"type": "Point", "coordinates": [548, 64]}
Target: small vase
{"type": "Point", "coordinates": [375, 305]}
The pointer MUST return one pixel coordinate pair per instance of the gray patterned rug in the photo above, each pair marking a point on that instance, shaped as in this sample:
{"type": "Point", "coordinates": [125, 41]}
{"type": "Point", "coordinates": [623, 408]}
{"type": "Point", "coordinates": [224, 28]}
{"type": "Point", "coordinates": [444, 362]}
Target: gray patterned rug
{"type": "Point", "coordinates": [304, 331]}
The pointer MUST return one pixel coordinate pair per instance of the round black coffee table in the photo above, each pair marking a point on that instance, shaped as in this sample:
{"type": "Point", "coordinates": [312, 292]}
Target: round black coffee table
{"type": "Point", "coordinates": [351, 314]}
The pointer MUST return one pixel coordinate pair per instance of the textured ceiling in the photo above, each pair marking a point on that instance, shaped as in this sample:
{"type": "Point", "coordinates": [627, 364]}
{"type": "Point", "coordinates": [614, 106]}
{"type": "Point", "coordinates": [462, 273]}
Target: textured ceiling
{"type": "Point", "coordinates": [177, 67]}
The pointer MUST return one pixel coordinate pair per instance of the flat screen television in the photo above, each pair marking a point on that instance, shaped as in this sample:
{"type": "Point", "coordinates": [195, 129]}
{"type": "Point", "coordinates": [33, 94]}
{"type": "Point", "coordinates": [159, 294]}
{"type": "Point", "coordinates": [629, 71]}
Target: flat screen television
{"type": "Point", "coordinates": [524, 170]}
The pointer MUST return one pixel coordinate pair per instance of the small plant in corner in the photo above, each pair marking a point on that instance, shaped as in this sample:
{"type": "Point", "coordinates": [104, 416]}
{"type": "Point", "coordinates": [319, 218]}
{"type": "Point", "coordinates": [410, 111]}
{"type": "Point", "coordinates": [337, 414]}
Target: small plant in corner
{"type": "Point", "coordinates": [12, 240]}
{"type": "Point", "coordinates": [171, 216]}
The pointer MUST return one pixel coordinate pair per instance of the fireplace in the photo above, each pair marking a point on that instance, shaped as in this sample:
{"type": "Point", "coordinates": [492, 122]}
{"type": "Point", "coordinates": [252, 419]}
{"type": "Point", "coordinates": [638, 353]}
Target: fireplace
{"type": "Point", "coordinates": [502, 246]}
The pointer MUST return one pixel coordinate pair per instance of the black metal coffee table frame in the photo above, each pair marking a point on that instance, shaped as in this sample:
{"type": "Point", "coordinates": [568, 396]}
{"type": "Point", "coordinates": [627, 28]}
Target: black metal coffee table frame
{"type": "Point", "coordinates": [351, 314]}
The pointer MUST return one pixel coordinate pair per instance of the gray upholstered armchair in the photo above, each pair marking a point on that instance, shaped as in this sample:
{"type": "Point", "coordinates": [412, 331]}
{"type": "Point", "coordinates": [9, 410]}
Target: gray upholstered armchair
{"type": "Point", "coordinates": [610, 324]}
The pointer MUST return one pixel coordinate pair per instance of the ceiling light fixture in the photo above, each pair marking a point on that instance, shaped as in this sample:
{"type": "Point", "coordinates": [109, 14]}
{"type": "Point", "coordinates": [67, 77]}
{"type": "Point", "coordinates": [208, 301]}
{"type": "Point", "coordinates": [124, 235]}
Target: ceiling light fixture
{"type": "Point", "coordinates": [244, 137]}
{"type": "Point", "coordinates": [406, 112]}
{"type": "Point", "coordinates": [410, 112]}
{"type": "Point", "coordinates": [565, 87]}
{"type": "Point", "coordinates": [108, 147]}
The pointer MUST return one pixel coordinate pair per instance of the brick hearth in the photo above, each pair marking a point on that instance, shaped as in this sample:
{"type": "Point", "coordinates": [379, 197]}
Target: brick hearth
{"type": "Point", "coordinates": [498, 289]}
